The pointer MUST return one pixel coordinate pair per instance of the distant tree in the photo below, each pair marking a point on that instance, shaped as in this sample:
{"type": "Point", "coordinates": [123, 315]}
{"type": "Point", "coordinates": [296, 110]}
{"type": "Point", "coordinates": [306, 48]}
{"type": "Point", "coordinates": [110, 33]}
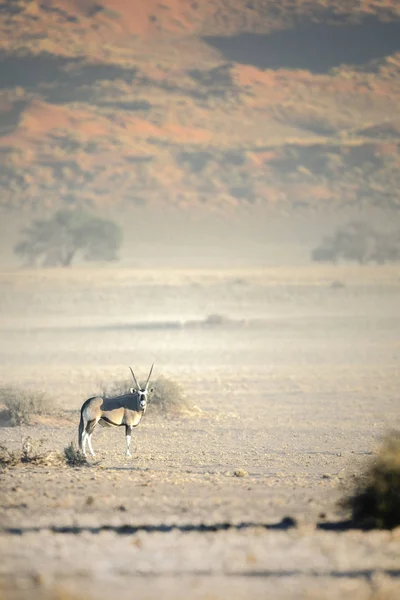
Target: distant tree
{"type": "Point", "coordinates": [387, 248]}
{"type": "Point", "coordinates": [56, 241]}
{"type": "Point", "coordinates": [358, 242]}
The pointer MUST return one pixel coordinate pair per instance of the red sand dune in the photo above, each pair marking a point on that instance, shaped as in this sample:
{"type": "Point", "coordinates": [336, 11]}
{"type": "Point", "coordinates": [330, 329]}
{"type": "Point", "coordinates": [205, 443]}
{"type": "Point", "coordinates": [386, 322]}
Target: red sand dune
{"type": "Point", "coordinates": [142, 98]}
{"type": "Point", "coordinates": [143, 17]}
{"type": "Point", "coordinates": [41, 118]}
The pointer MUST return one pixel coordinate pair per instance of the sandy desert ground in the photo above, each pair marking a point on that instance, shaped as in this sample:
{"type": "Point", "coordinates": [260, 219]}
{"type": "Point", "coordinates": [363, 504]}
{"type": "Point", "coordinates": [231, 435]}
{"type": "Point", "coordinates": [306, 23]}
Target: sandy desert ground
{"type": "Point", "coordinates": [294, 388]}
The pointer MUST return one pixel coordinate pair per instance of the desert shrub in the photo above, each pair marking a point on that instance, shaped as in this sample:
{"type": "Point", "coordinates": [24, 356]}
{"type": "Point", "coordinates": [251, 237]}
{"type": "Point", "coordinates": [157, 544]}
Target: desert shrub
{"type": "Point", "coordinates": [23, 404]}
{"type": "Point", "coordinates": [118, 387]}
{"type": "Point", "coordinates": [7, 458]}
{"type": "Point", "coordinates": [74, 457]}
{"type": "Point", "coordinates": [30, 452]}
{"type": "Point", "coordinates": [216, 319]}
{"type": "Point", "coordinates": [337, 284]}
{"type": "Point", "coordinates": [375, 501]}
{"type": "Point", "coordinates": [240, 473]}
{"type": "Point", "coordinates": [169, 395]}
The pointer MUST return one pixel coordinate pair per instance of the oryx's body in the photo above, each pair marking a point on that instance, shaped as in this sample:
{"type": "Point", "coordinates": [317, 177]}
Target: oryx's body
{"type": "Point", "coordinates": [126, 410]}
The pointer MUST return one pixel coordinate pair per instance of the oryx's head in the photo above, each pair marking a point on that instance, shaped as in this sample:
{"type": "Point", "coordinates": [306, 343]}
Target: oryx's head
{"type": "Point", "coordinates": [142, 392]}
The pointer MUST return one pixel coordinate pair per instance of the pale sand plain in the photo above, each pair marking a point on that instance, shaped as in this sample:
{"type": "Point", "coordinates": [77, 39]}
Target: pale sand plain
{"type": "Point", "coordinates": [294, 383]}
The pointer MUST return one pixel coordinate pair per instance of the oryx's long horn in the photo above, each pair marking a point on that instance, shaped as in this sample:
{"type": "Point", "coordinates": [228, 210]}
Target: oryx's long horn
{"type": "Point", "coordinates": [134, 379]}
{"type": "Point", "coordinates": [148, 379]}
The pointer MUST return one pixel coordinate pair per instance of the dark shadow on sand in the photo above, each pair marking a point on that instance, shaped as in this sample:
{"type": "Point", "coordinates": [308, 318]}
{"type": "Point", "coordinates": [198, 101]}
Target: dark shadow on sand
{"type": "Point", "coordinates": [285, 524]}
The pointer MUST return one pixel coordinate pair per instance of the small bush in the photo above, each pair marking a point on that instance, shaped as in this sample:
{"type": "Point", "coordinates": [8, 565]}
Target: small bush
{"type": "Point", "coordinates": [30, 450]}
{"type": "Point", "coordinates": [376, 500]}
{"type": "Point", "coordinates": [7, 458]}
{"type": "Point", "coordinates": [240, 473]}
{"type": "Point", "coordinates": [168, 395]}
{"type": "Point", "coordinates": [22, 405]}
{"type": "Point", "coordinates": [216, 319]}
{"type": "Point", "coordinates": [74, 457]}
{"type": "Point", "coordinates": [338, 285]}
{"type": "Point", "coordinates": [30, 453]}
{"type": "Point", "coordinates": [118, 387]}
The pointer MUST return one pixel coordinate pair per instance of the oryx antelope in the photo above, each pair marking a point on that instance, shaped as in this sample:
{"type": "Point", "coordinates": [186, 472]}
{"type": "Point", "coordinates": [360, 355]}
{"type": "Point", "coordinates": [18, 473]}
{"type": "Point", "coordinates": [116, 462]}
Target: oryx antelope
{"type": "Point", "coordinates": [126, 410]}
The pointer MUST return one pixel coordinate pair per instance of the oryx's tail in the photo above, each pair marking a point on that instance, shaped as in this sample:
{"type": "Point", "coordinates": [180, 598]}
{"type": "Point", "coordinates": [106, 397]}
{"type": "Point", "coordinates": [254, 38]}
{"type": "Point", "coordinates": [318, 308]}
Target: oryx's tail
{"type": "Point", "coordinates": [80, 431]}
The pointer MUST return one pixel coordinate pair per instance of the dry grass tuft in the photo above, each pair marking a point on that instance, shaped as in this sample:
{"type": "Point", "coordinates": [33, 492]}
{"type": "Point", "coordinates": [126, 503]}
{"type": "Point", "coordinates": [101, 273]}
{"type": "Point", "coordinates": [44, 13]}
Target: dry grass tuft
{"type": "Point", "coordinates": [22, 405]}
{"type": "Point", "coordinates": [240, 473]}
{"type": "Point", "coordinates": [375, 503]}
{"type": "Point", "coordinates": [8, 458]}
{"type": "Point", "coordinates": [30, 453]}
{"type": "Point", "coordinates": [115, 388]}
{"type": "Point", "coordinates": [169, 396]}
{"type": "Point", "coordinates": [74, 457]}
{"type": "Point", "coordinates": [35, 588]}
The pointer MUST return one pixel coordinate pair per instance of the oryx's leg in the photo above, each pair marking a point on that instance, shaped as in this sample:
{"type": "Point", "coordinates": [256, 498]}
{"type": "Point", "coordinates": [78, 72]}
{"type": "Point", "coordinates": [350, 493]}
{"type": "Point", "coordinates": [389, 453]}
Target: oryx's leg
{"type": "Point", "coordinates": [128, 436]}
{"type": "Point", "coordinates": [88, 436]}
{"type": "Point", "coordinates": [81, 434]}
{"type": "Point", "coordinates": [84, 440]}
{"type": "Point", "coordinates": [89, 439]}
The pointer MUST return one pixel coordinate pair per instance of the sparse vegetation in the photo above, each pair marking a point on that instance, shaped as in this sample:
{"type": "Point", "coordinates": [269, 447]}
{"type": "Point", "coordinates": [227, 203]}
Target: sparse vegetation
{"type": "Point", "coordinates": [337, 285]}
{"type": "Point", "coordinates": [376, 500]}
{"type": "Point", "coordinates": [57, 241]}
{"type": "Point", "coordinates": [216, 319]}
{"type": "Point", "coordinates": [240, 473]}
{"type": "Point", "coordinates": [359, 242]}
{"type": "Point", "coordinates": [30, 453]}
{"type": "Point", "coordinates": [22, 405]}
{"type": "Point", "coordinates": [169, 395]}
{"type": "Point", "coordinates": [74, 457]}
{"type": "Point", "coordinates": [114, 388]}
{"type": "Point", "coordinates": [8, 458]}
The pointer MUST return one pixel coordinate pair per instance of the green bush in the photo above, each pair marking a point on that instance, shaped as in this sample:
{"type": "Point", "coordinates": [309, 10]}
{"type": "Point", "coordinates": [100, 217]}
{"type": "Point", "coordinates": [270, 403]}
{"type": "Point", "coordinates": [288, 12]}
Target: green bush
{"type": "Point", "coordinates": [375, 501]}
{"type": "Point", "coordinates": [22, 404]}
